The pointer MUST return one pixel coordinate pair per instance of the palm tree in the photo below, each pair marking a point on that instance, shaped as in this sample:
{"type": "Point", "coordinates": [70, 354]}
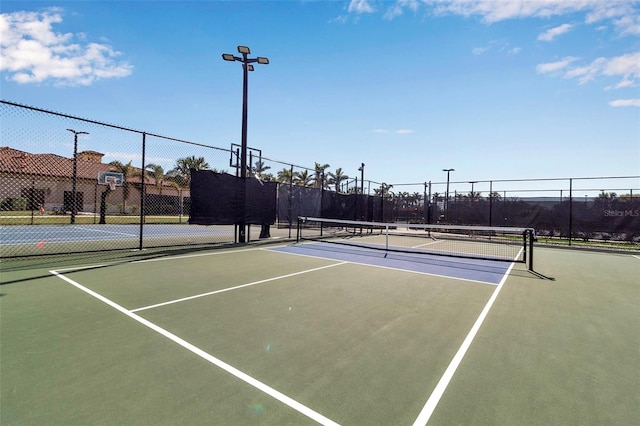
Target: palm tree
{"type": "Point", "coordinates": [284, 176]}
{"type": "Point", "coordinates": [473, 195]}
{"type": "Point", "coordinates": [181, 173]}
{"type": "Point", "coordinates": [157, 173]}
{"type": "Point", "coordinates": [302, 178]}
{"type": "Point", "coordinates": [319, 175]}
{"type": "Point", "coordinates": [259, 168]}
{"type": "Point", "coordinates": [127, 171]}
{"type": "Point", "coordinates": [336, 178]}
{"type": "Point", "coordinates": [384, 190]}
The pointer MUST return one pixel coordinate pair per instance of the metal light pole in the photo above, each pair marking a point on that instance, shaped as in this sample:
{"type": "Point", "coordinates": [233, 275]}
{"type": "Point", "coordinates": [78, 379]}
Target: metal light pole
{"type": "Point", "coordinates": [446, 200]}
{"type": "Point", "coordinates": [473, 194]}
{"type": "Point", "coordinates": [246, 67]}
{"type": "Point", "coordinates": [361, 170]}
{"type": "Point", "coordinates": [75, 173]}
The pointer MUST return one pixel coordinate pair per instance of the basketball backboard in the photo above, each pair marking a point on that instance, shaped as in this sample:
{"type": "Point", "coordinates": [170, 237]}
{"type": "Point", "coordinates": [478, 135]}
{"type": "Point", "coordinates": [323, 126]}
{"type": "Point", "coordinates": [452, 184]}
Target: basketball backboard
{"type": "Point", "coordinates": [104, 177]}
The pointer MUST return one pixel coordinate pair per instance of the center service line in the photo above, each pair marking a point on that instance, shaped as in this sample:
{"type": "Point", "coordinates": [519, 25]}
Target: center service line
{"type": "Point", "coordinates": [438, 391]}
{"type": "Point", "coordinates": [210, 358]}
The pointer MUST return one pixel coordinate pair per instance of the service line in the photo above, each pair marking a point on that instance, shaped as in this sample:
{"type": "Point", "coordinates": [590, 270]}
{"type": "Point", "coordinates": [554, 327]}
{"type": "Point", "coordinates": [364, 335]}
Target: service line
{"type": "Point", "coordinates": [235, 288]}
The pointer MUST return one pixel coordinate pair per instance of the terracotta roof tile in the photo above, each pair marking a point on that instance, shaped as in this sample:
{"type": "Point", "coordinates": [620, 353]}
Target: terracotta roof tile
{"type": "Point", "coordinates": [16, 161]}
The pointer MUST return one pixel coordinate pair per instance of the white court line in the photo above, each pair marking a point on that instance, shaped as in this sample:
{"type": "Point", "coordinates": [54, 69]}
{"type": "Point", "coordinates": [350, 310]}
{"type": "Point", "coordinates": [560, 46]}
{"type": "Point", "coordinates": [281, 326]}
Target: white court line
{"type": "Point", "coordinates": [170, 302]}
{"type": "Point", "coordinates": [427, 244]}
{"type": "Point", "coordinates": [106, 231]}
{"type": "Point", "coordinates": [637, 257]}
{"type": "Point", "coordinates": [210, 358]}
{"type": "Point", "coordinates": [438, 391]}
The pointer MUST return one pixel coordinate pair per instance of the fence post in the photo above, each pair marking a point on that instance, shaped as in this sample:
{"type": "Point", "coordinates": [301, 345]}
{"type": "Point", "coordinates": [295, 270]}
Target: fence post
{"type": "Point", "coordinates": [570, 210]}
{"type": "Point", "coordinates": [142, 191]}
{"type": "Point", "coordinates": [290, 200]}
{"type": "Point", "coordinates": [491, 203]}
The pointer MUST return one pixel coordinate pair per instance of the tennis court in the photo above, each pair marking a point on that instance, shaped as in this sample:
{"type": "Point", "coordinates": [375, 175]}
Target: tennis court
{"type": "Point", "coordinates": [26, 240]}
{"type": "Point", "coordinates": [290, 334]}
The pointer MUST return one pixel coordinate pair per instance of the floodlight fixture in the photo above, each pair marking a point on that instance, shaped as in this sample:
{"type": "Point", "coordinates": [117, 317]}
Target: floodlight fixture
{"type": "Point", "coordinates": [264, 61]}
{"type": "Point", "coordinates": [361, 170]}
{"type": "Point", "coordinates": [244, 50]}
{"type": "Point", "coordinates": [228, 57]}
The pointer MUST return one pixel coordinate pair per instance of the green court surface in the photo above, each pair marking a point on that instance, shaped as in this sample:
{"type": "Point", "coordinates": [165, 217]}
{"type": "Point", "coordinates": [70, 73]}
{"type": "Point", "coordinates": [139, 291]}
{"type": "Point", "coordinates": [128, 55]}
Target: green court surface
{"type": "Point", "coordinates": [256, 336]}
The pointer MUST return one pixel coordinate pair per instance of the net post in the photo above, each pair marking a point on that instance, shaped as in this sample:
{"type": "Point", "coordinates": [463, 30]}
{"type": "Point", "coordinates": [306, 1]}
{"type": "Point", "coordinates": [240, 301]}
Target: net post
{"type": "Point", "coordinates": [524, 245]}
{"type": "Point", "coordinates": [299, 229]}
{"type": "Point", "coordinates": [531, 238]}
{"type": "Point", "coordinates": [386, 237]}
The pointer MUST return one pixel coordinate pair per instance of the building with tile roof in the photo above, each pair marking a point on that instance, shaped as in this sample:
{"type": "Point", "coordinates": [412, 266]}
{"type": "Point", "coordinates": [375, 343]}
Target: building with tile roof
{"type": "Point", "coordinates": [47, 180]}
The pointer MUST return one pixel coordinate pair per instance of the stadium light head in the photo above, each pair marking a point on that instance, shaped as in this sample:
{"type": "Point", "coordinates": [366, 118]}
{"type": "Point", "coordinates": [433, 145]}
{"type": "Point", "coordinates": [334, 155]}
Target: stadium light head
{"type": "Point", "coordinates": [262, 60]}
{"type": "Point", "coordinates": [249, 67]}
{"type": "Point", "coordinates": [75, 132]}
{"type": "Point", "coordinates": [228, 57]}
{"type": "Point", "coordinates": [244, 49]}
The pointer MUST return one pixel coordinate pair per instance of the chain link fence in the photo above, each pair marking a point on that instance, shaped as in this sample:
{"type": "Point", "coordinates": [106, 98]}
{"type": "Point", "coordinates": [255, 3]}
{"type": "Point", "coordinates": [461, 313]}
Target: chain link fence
{"type": "Point", "coordinates": [54, 197]}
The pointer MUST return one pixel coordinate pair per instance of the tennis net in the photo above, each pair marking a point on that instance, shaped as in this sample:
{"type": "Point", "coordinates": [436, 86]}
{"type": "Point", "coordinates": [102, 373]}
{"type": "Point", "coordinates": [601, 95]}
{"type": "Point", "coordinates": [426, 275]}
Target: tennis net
{"type": "Point", "coordinates": [508, 244]}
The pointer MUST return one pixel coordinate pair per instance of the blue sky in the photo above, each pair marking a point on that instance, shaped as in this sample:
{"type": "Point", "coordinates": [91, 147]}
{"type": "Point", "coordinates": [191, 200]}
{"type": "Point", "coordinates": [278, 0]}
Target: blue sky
{"type": "Point", "coordinates": [494, 89]}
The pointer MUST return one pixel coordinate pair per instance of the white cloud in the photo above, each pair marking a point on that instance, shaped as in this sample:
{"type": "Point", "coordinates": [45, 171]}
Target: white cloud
{"type": "Point", "coordinates": [124, 156]}
{"type": "Point", "coordinates": [360, 6]}
{"type": "Point", "coordinates": [380, 131]}
{"type": "Point", "coordinates": [588, 72]}
{"type": "Point", "coordinates": [498, 45]}
{"type": "Point", "coordinates": [477, 51]}
{"type": "Point", "coordinates": [555, 66]}
{"type": "Point", "coordinates": [625, 66]}
{"type": "Point", "coordinates": [495, 11]}
{"type": "Point", "coordinates": [623, 84]}
{"type": "Point", "coordinates": [32, 52]}
{"type": "Point", "coordinates": [552, 33]}
{"type": "Point", "coordinates": [398, 8]}
{"type": "Point", "coordinates": [628, 25]}
{"type": "Point", "coordinates": [625, 103]}
{"type": "Point", "coordinates": [623, 14]}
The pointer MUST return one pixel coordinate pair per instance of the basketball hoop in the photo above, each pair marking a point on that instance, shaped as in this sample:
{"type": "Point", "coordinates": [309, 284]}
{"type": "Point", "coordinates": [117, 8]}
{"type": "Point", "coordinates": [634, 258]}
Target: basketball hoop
{"type": "Point", "coordinates": [111, 183]}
